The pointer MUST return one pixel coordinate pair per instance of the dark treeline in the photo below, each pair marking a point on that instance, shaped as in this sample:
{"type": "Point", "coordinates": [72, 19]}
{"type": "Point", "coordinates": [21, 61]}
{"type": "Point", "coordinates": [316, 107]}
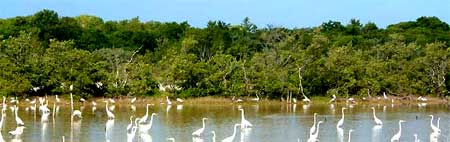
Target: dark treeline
{"type": "Point", "coordinates": [42, 54]}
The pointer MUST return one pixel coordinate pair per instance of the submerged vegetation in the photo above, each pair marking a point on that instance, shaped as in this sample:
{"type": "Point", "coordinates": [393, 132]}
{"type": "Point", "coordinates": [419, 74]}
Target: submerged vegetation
{"type": "Point", "coordinates": [42, 54]}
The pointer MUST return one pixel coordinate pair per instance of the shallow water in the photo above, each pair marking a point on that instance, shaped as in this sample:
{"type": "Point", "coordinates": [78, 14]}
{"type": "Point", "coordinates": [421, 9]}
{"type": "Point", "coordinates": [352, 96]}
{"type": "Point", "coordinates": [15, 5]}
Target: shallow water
{"type": "Point", "coordinates": [272, 123]}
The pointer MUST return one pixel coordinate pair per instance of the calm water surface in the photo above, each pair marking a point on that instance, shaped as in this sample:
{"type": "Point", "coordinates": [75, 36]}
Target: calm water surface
{"type": "Point", "coordinates": [272, 123]}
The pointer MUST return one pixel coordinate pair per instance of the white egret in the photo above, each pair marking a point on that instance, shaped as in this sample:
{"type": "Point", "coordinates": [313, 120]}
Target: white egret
{"type": "Point", "coordinates": [94, 106]}
{"type": "Point", "coordinates": [341, 122]}
{"type": "Point", "coordinates": [415, 138]}
{"type": "Point", "coordinates": [377, 121]}
{"type": "Point", "coordinates": [244, 122]}
{"type": "Point", "coordinates": [255, 99]}
{"type": "Point", "coordinates": [214, 136]}
{"type": "Point", "coordinates": [333, 99]}
{"type": "Point", "coordinates": [350, 135]}
{"type": "Point", "coordinates": [171, 139]}
{"type": "Point", "coordinates": [133, 100]}
{"type": "Point", "coordinates": [423, 99]}
{"type": "Point", "coordinates": [145, 117]}
{"type": "Point", "coordinates": [439, 119]}
{"type": "Point", "coordinates": [306, 99]}
{"type": "Point", "coordinates": [433, 127]}
{"type": "Point", "coordinates": [18, 131]}
{"type": "Point", "coordinates": [385, 96]}
{"type": "Point", "coordinates": [77, 113]}
{"type": "Point", "coordinates": [143, 128]}
{"type": "Point", "coordinates": [180, 100]}
{"type": "Point", "coordinates": [238, 100]}
{"type": "Point", "coordinates": [57, 99]}
{"type": "Point", "coordinates": [313, 128]}
{"type": "Point", "coordinates": [112, 100]}
{"type": "Point", "coordinates": [396, 137]}
{"type": "Point", "coordinates": [168, 101]}
{"type": "Point", "coordinates": [19, 121]}
{"type": "Point", "coordinates": [314, 137]}
{"type": "Point", "coordinates": [340, 134]}
{"type": "Point", "coordinates": [109, 113]}
{"type": "Point", "coordinates": [108, 127]}
{"type": "Point", "coordinates": [129, 126]}
{"type": "Point", "coordinates": [41, 100]}
{"type": "Point", "coordinates": [231, 138]}
{"type": "Point", "coordinates": [133, 108]}
{"type": "Point", "coordinates": [199, 132]}
{"type": "Point", "coordinates": [44, 116]}
{"type": "Point", "coordinates": [351, 99]}
{"type": "Point", "coordinates": [82, 100]}
{"type": "Point", "coordinates": [131, 133]}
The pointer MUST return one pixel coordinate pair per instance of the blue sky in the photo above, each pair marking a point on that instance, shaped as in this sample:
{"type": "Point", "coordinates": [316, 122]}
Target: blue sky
{"type": "Point", "coordinates": [287, 13]}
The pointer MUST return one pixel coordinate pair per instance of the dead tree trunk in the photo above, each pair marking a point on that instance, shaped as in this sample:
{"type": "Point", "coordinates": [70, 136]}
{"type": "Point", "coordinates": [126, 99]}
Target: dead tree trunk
{"type": "Point", "coordinates": [300, 86]}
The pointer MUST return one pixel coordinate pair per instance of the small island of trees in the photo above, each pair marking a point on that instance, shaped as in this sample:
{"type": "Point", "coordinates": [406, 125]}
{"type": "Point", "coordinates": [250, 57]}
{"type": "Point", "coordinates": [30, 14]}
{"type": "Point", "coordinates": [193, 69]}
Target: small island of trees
{"type": "Point", "coordinates": [42, 54]}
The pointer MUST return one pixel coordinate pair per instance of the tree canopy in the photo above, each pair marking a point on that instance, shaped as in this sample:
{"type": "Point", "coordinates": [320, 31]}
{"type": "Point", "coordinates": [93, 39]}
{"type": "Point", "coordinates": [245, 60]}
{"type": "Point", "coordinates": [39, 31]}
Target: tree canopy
{"type": "Point", "coordinates": [44, 53]}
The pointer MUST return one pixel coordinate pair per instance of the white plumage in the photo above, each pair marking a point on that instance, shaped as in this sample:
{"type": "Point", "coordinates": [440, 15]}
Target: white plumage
{"type": "Point", "coordinates": [377, 121]}
{"type": "Point", "coordinates": [199, 132]}
{"type": "Point", "coordinates": [244, 122]}
{"type": "Point", "coordinates": [231, 138]}
{"type": "Point", "coordinates": [341, 121]}
{"type": "Point", "coordinates": [396, 137]}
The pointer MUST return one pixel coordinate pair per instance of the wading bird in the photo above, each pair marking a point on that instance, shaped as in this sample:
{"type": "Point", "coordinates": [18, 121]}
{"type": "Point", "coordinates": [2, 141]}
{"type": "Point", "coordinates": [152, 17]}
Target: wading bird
{"type": "Point", "coordinates": [333, 99]}
{"type": "Point", "coordinates": [199, 132]}
{"type": "Point", "coordinates": [314, 137]}
{"type": "Point", "coordinates": [313, 128]}
{"type": "Point", "coordinates": [19, 121]}
{"type": "Point", "coordinates": [109, 113]}
{"type": "Point", "coordinates": [244, 122]}
{"type": "Point", "coordinates": [433, 127]}
{"type": "Point", "coordinates": [341, 121]}
{"type": "Point", "coordinates": [396, 137]}
{"type": "Point", "coordinates": [231, 138]}
{"type": "Point", "coordinates": [145, 117]}
{"type": "Point", "coordinates": [377, 121]}
{"type": "Point", "coordinates": [168, 101]}
{"type": "Point", "coordinates": [350, 135]}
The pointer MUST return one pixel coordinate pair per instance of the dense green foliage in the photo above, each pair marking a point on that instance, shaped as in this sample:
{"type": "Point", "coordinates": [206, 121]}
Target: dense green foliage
{"type": "Point", "coordinates": [131, 57]}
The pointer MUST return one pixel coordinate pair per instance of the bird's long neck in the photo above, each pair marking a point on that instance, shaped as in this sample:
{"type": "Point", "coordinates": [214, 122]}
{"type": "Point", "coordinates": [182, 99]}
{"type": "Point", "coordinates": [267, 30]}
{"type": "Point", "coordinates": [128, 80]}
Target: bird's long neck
{"type": "Point", "coordinates": [151, 121]}
{"type": "Point", "coordinates": [136, 122]}
{"type": "Point", "coordinates": [343, 115]}
{"type": "Point", "coordinates": [374, 116]}
{"type": "Point", "coordinates": [203, 121]}
{"type": "Point", "coordinates": [234, 132]}
{"type": "Point", "coordinates": [314, 124]}
{"type": "Point", "coordinates": [242, 115]}
{"type": "Point", "coordinates": [349, 136]}
{"type": "Point", "coordinates": [318, 127]}
{"type": "Point", "coordinates": [400, 127]}
{"type": "Point", "coordinates": [438, 122]}
{"type": "Point", "coordinates": [15, 111]}
{"type": "Point", "coordinates": [131, 121]}
{"type": "Point", "coordinates": [431, 120]}
{"type": "Point", "coordinates": [106, 107]}
{"type": "Point", "coordinates": [146, 113]}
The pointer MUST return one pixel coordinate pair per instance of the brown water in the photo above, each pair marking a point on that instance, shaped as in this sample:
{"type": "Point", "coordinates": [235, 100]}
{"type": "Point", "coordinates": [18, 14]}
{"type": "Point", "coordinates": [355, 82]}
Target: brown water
{"type": "Point", "coordinates": [272, 123]}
